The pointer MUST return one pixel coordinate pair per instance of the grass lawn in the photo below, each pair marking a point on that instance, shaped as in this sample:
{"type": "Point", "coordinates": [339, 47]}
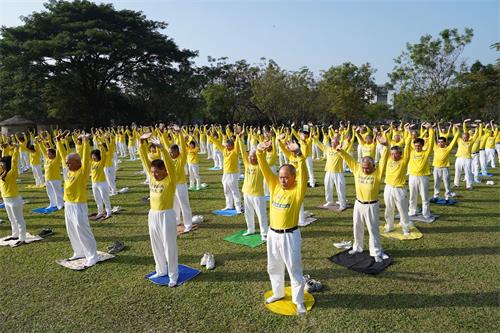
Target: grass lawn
{"type": "Point", "coordinates": [446, 281]}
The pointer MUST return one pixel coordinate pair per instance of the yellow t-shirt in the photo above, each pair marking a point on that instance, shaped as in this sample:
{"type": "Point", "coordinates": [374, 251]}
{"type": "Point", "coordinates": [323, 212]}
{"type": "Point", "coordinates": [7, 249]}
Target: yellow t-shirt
{"type": "Point", "coordinates": [285, 204]}
{"type": "Point", "coordinates": [97, 168]}
{"type": "Point", "coordinates": [367, 185]}
{"type": "Point", "coordinates": [53, 167]}
{"type": "Point", "coordinates": [230, 164]}
{"type": "Point", "coordinates": [75, 184]}
{"type": "Point", "coordinates": [442, 155]}
{"type": "Point", "coordinates": [419, 164]}
{"type": "Point", "coordinates": [8, 187]}
{"type": "Point", "coordinates": [395, 172]}
{"type": "Point", "coordinates": [254, 180]}
{"type": "Point", "coordinates": [333, 159]}
{"type": "Point", "coordinates": [192, 155]}
{"type": "Point", "coordinates": [161, 193]}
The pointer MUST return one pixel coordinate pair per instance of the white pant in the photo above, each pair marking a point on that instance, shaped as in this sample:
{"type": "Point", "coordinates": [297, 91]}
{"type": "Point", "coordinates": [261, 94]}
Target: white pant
{"type": "Point", "coordinates": [257, 205]}
{"type": "Point", "coordinates": [282, 157]}
{"type": "Point", "coordinates": [14, 208]}
{"type": "Point", "coordinates": [24, 161]}
{"type": "Point", "coordinates": [231, 191]}
{"type": "Point", "coordinates": [79, 230]}
{"type": "Point", "coordinates": [465, 165]}
{"type": "Point", "coordinates": [316, 151]}
{"type": "Point", "coordinates": [210, 150]}
{"type": "Point", "coordinates": [497, 148]}
{"type": "Point", "coordinates": [419, 185]}
{"type": "Point", "coordinates": [360, 153]}
{"type": "Point", "coordinates": [475, 167]}
{"type": "Point", "coordinates": [444, 175]}
{"type": "Point", "coordinates": [203, 147]}
{"type": "Point", "coordinates": [396, 197]}
{"type": "Point", "coordinates": [284, 250]}
{"type": "Point", "coordinates": [337, 180]}
{"type": "Point", "coordinates": [218, 158]}
{"type": "Point", "coordinates": [55, 193]}
{"type": "Point", "coordinates": [110, 173]}
{"type": "Point", "coordinates": [266, 188]}
{"type": "Point", "coordinates": [490, 157]}
{"type": "Point", "coordinates": [482, 161]}
{"type": "Point", "coordinates": [101, 196]}
{"type": "Point", "coordinates": [378, 152]}
{"type": "Point", "coordinates": [131, 152]}
{"type": "Point", "coordinates": [38, 174]}
{"type": "Point", "coordinates": [194, 175]}
{"type": "Point", "coordinates": [163, 235]}
{"type": "Point", "coordinates": [122, 149]}
{"type": "Point", "coordinates": [366, 214]}
{"type": "Point", "coordinates": [181, 204]}
{"type": "Point", "coordinates": [310, 171]}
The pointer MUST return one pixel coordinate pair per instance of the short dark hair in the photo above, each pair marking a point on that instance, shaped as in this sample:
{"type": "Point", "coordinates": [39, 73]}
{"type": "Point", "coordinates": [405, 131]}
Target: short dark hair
{"type": "Point", "coordinates": [419, 140]}
{"type": "Point", "coordinates": [442, 138]}
{"type": "Point", "coordinates": [175, 147]}
{"type": "Point", "coordinates": [96, 153]}
{"type": "Point", "coordinates": [159, 164]}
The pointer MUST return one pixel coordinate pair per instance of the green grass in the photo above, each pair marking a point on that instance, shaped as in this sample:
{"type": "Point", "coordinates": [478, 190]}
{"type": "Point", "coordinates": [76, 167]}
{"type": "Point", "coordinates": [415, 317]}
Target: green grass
{"type": "Point", "coordinates": [446, 281]}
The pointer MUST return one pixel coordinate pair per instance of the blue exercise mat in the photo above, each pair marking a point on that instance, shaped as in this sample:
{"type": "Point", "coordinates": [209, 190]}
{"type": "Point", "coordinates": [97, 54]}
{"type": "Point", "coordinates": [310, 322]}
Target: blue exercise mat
{"type": "Point", "coordinates": [2, 205]}
{"type": "Point", "coordinates": [487, 175]}
{"type": "Point", "coordinates": [186, 273]}
{"type": "Point", "coordinates": [214, 169]}
{"type": "Point", "coordinates": [441, 201]}
{"type": "Point", "coordinates": [46, 210]}
{"type": "Point", "coordinates": [229, 212]}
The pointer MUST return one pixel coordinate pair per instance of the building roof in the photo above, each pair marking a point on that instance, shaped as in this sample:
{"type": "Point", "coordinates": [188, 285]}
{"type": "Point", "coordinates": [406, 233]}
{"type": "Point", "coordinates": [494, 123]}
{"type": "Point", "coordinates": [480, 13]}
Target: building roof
{"type": "Point", "coordinates": [16, 120]}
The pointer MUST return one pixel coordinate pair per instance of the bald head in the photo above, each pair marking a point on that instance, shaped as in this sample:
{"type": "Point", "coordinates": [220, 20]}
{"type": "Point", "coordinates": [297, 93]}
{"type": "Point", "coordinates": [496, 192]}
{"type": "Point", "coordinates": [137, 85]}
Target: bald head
{"type": "Point", "coordinates": [286, 175]}
{"type": "Point", "coordinates": [73, 161]}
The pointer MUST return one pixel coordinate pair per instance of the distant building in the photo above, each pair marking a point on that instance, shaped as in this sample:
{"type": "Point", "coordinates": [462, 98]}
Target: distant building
{"type": "Point", "coordinates": [16, 124]}
{"type": "Point", "coordinates": [384, 95]}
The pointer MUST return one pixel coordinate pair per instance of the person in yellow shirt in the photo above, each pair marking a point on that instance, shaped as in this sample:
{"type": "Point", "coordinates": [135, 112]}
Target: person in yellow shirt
{"type": "Point", "coordinates": [367, 180]}
{"type": "Point", "coordinates": [193, 162]}
{"type": "Point", "coordinates": [419, 171]}
{"type": "Point", "coordinates": [334, 175]}
{"type": "Point", "coordinates": [75, 205]}
{"type": "Point", "coordinates": [489, 146]}
{"type": "Point", "coordinates": [253, 192]}
{"type": "Point", "coordinates": [181, 201]}
{"type": "Point", "coordinates": [34, 151]}
{"type": "Point", "coordinates": [100, 187]}
{"type": "Point", "coordinates": [284, 241]}
{"type": "Point", "coordinates": [230, 174]}
{"type": "Point", "coordinates": [11, 198]}
{"type": "Point", "coordinates": [463, 161]}
{"type": "Point", "coordinates": [395, 194]}
{"type": "Point", "coordinates": [366, 145]}
{"type": "Point", "coordinates": [161, 217]}
{"type": "Point", "coordinates": [440, 163]}
{"type": "Point", "coordinates": [305, 140]}
{"type": "Point", "coordinates": [53, 179]}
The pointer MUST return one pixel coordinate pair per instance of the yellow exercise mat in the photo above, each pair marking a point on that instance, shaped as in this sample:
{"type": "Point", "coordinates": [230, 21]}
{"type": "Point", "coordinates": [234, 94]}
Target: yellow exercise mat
{"type": "Point", "coordinates": [397, 233]}
{"type": "Point", "coordinates": [285, 306]}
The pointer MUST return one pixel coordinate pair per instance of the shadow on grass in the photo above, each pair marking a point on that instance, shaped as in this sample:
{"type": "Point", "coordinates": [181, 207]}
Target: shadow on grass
{"type": "Point", "coordinates": [450, 229]}
{"type": "Point", "coordinates": [408, 301]}
{"type": "Point", "coordinates": [446, 252]}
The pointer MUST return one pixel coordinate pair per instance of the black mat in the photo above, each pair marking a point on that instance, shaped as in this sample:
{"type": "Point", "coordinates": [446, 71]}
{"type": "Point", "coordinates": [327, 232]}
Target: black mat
{"type": "Point", "coordinates": [360, 262]}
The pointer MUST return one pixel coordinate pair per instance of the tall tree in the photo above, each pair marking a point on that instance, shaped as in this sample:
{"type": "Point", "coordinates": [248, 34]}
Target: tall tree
{"type": "Point", "coordinates": [77, 51]}
{"type": "Point", "coordinates": [347, 90]}
{"type": "Point", "coordinates": [424, 73]}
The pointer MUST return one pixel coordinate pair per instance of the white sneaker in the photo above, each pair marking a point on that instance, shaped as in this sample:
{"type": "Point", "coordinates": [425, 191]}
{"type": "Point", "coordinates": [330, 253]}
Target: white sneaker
{"type": "Point", "coordinates": [301, 309]}
{"type": "Point", "coordinates": [75, 257]}
{"type": "Point", "coordinates": [353, 251]}
{"type": "Point", "coordinates": [387, 229]}
{"type": "Point", "coordinates": [378, 259]}
{"type": "Point", "coordinates": [203, 261]}
{"type": "Point", "coordinates": [273, 299]}
{"type": "Point", "coordinates": [328, 204]}
{"type": "Point", "coordinates": [172, 284]}
{"type": "Point", "coordinates": [210, 261]}
{"type": "Point", "coordinates": [248, 233]}
{"type": "Point", "coordinates": [188, 229]}
{"type": "Point", "coordinates": [343, 245]}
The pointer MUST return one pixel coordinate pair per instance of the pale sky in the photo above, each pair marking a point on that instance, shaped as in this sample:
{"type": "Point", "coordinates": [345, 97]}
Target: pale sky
{"type": "Point", "coordinates": [315, 34]}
